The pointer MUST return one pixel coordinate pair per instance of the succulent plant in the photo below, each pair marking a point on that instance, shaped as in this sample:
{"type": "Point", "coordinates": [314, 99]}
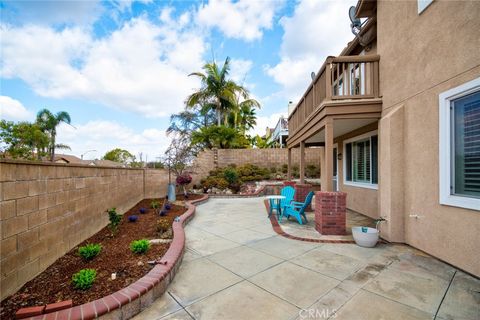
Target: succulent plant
{"type": "Point", "coordinates": [133, 218]}
{"type": "Point", "coordinates": [163, 213]}
{"type": "Point", "coordinates": [168, 206]}
{"type": "Point", "coordinates": [143, 210]}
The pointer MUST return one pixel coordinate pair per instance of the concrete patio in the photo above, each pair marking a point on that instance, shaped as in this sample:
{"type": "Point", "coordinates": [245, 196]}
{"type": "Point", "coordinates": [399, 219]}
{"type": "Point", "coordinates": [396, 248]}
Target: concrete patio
{"type": "Point", "coordinates": [236, 267]}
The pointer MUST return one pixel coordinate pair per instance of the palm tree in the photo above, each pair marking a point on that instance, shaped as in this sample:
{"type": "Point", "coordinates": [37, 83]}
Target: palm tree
{"type": "Point", "coordinates": [216, 90]}
{"type": "Point", "coordinates": [48, 122]}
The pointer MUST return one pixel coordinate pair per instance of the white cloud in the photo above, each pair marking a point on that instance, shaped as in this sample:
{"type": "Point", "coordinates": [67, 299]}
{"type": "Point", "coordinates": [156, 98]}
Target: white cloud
{"type": "Point", "coordinates": [242, 19]}
{"type": "Point", "coordinates": [239, 69]}
{"type": "Point", "coordinates": [11, 109]}
{"type": "Point", "coordinates": [140, 67]}
{"type": "Point", "coordinates": [316, 30]}
{"type": "Point", "coordinates": [264, 122]}
{"type": "Point", "coordinates": [103, 136]}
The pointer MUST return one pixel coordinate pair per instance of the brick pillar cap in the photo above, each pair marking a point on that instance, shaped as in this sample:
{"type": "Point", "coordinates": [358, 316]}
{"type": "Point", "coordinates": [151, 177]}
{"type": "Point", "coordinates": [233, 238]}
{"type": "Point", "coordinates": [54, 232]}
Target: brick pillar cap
{"type": "Point", "coordinates": [330, 193]}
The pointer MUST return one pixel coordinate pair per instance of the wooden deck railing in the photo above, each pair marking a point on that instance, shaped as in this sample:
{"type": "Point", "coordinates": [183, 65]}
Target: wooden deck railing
{"type": "Point", "coordinates": [344, 77]}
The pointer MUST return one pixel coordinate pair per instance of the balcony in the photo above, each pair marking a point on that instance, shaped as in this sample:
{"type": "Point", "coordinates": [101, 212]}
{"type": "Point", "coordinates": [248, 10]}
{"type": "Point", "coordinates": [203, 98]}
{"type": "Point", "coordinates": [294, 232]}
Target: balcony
{"type": "Point", "coordinates": [343, 86]}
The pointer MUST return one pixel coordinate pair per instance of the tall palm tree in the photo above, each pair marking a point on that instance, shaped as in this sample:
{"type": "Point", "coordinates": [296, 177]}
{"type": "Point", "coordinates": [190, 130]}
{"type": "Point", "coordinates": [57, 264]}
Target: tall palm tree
{"type": "Point", "coordinates": [49, 122]}
{"type": "Point", "coordinates": [217, 90]}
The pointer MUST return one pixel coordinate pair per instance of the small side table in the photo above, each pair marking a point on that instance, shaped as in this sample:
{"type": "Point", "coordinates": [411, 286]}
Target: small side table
{"type": "Point", "coordinates": [274, 202]}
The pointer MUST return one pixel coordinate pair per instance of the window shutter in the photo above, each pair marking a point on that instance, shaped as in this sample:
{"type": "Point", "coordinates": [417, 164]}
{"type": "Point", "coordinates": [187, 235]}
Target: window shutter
{"type": "Point", "coordinates": [348, 168]}
{"type": "Point", "coordinates": [467, 145]}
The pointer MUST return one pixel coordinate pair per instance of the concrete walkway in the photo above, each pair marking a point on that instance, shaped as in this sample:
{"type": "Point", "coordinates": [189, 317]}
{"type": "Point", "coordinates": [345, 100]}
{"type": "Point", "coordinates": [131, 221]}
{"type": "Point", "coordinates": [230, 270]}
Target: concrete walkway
{"type": "Point", "coordinates": [236, 267]}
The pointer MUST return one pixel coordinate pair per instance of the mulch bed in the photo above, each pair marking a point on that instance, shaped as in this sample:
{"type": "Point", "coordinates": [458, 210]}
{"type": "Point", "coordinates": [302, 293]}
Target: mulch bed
{"type": "Point", "coordinates": [54, 284]}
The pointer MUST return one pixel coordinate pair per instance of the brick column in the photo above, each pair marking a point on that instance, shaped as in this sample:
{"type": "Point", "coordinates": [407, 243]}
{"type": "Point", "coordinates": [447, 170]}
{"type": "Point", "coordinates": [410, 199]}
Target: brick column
{"type": "Point", "coordinates": [330, 212]}
{"type": "Point", "coordinates": [301, 191]}
{"type": "Point", "coordinates": [289, 183]}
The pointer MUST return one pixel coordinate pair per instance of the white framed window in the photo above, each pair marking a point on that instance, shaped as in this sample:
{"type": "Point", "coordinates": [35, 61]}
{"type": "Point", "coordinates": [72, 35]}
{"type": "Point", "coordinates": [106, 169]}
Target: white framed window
{"type": "Point", "coordinates": [360, 164]}
{"type": "Point", "coordinates": [423, 4]}
{"type": "Point", "coordinates": [459, 146]}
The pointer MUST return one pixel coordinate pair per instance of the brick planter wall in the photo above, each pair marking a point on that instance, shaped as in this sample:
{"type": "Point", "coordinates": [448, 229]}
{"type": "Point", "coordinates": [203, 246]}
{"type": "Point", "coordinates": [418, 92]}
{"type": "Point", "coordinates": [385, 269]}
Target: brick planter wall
{"type": "Point", "coordinates": [129, 301]}
{"type": "Point", "coordinates": [330, 212]}
{"type": "Point", "coordinates": [301, 191]}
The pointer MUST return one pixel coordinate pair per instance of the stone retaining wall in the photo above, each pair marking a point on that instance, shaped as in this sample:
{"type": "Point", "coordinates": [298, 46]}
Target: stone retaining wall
{"type": "Point", "coordinates": [47, 209]}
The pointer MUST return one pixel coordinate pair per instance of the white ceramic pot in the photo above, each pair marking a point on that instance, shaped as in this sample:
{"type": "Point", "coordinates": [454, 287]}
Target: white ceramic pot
{"type": "Point", "coordinates": [365, 237]}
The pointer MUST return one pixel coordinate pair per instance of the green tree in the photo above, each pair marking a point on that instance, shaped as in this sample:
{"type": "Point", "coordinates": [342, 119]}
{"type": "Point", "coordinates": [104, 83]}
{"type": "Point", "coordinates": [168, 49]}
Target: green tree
{"type": "Point", "coordinates": [217, 91]}
{"type": "Point", "coordinates": [262, 143]}
{"type": "Point", "coordinates": [119, 155]}
{"type": "Point", "coordinates": [48, 122]}
{"type": "Point", "coordinates": [23, 139]}
{"type": "Point", "coordinates": [220, 137]}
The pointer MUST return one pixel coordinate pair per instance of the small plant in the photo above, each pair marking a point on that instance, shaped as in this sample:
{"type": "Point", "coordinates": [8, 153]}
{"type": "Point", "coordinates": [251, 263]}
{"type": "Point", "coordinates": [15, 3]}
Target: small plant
{"type": "Point", "coordinates": [89, 251]}
{"type": "Point", "coordinates": [163, 213]}
{"type": "Point", "coordinates": [139, 246]}
{"type": "Point", "coordinates": [168, 206]}
{"type": "Point", "coordinates": [163, 225]}
{"type": "Point", "coordinates": [114, 218]}
{"type": "Point", "coordinates": [155, 204]}
{"type": "Point", "coordinates": [84, 279]}
{"type": "Point", "coordinates": [143, 210]}
{"type": "Point", "coordinates": [133, 218]}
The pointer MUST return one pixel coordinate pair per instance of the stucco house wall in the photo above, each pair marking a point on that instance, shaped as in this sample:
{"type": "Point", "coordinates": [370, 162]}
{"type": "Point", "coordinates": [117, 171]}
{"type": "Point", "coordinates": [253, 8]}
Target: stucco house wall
{"type": "Point", "coordinates": [422, 56]}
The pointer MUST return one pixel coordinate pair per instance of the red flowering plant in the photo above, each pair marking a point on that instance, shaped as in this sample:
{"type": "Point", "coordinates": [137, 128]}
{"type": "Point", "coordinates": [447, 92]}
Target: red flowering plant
{"type": "Point", "coordinates": [184, 179]}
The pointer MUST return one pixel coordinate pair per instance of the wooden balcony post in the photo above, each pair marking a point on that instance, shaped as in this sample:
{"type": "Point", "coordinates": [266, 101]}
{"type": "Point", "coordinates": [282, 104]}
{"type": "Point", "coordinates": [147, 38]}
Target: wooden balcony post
{"type": "Point", "coordinates": [328, 77]}
{"type": "Point", "coordinates": [328, 156]}
{"type": "Point", "coordinates": [302, 162]}
{"type": "Point", "coordinates": [289, 165]}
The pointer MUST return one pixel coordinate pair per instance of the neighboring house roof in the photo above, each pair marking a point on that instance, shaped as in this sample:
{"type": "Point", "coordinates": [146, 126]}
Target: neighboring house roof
{"type": "Point", "coordinates": [68, 158]}
{"type": "Point", "coordinates": [106, 163]}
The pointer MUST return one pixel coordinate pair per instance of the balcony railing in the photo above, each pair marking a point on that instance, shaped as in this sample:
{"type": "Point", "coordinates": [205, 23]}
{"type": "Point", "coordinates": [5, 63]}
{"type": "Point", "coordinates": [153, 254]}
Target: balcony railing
{"type": "Point", "coordinates": [340, 78]}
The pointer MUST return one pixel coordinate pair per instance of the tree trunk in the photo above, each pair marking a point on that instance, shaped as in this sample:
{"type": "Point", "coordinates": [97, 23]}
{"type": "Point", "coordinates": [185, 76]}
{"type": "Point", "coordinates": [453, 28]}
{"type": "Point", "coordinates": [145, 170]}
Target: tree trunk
{"type": "Point", "coordinates": [52, 151]}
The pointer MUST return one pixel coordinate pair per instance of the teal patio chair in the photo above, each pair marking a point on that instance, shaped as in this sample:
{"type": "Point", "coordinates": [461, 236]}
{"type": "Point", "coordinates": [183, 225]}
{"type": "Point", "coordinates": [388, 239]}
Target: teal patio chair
{"type": "Point", "coordinates": [289, 193]}
{"type": "Point", "coordinates": [297, 209]}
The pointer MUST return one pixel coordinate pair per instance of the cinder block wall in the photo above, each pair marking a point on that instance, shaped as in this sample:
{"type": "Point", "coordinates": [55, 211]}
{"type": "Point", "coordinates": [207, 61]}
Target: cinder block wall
{"type": "Point", "coordinates": [47, 209]}
{"type": "Point", "coordinates": [266, 157]}
{"type": "Point", "coordinates": [207, 160]}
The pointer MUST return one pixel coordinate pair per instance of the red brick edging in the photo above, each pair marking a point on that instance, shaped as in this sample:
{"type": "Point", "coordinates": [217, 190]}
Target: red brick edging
{"type": "Point", "coordinates": [129, 301]}
{"type": "Point", "coordinates": [278, 229]}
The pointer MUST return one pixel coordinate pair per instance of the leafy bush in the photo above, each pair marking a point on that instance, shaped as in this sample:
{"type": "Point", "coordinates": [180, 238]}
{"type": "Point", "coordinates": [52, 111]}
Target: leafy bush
{"type": "Point", "coordinates": [231, 175]}
{"type": "Point", "coordinates": [163, 225]}
{"type": "Point", "coordinates": [89, 251]}
{"type": "Point", "coordinates": [312, 171]}
{"type": "Point", "coordinates": [285, 168]}
{"type": "Point", "coordinates": [140, 246]}
{"type": "Point", "coordinates": [273, 169]}
{"type": "Point", "coordinates": [114, 218]}
{"type": "Point", "coordinates": [155, 204]}
{"type": "Point", "coordinates": [184, 179]}
{"type": "Point", "coordinates": [84, 279]}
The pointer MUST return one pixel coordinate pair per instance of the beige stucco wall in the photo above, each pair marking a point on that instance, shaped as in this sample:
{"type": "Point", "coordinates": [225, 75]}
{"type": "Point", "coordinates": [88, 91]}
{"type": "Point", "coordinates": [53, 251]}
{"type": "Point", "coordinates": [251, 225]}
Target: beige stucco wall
{"type": "Point", "coordinates": [47, 209]}
{"type": "Point", "coordinates": [422, 56]}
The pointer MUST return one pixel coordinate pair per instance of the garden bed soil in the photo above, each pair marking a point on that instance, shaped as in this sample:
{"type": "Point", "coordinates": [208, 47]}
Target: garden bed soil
{"type": "Point", "coordinates": [54, 284]}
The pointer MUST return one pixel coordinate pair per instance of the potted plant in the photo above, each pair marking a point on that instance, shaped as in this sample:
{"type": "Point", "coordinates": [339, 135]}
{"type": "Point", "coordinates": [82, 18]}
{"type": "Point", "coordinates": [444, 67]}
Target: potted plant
{"type": "Point", "coordinates": [366, 236]}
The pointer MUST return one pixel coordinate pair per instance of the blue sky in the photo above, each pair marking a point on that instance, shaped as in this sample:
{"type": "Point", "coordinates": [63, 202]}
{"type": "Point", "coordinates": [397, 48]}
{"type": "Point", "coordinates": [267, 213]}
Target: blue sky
{"type": "Point", "coordinates": [120, 68]}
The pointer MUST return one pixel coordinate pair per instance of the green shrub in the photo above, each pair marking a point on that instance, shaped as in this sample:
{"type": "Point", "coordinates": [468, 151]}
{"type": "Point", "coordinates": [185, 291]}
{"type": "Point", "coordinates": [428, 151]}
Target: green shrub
{"type": "Point", "coordinates": [140, 246]}
{"type": "Point", "coordinates": [89, 251]}
{"type": "Point", "coordinates": [312, 171]}
{"type": "Point", "coordinates": [222, 183]}
{"type": "Point", "coordinates": [114, 218]}
{"type": "Point", "coordinates": [84, 279]}
{"type": "Point", "coordinates": [285, 168]}
{"type": "Point", "coordinates": [273, 169]}
{"type": "Point", "coordinates": [155, 204]}
{"type": "Point", "coordinates": [231, 175]}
